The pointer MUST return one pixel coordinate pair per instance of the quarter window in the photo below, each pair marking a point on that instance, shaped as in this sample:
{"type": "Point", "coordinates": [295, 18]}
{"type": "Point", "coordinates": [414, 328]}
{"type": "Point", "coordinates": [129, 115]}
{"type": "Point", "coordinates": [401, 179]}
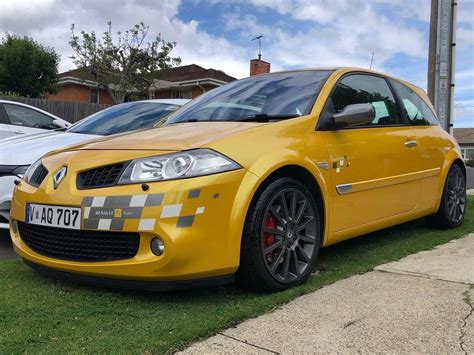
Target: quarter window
{"type": "Point", "coordinates": [363, 89]}
{"type": "Point", "coordinates": [417, 111]}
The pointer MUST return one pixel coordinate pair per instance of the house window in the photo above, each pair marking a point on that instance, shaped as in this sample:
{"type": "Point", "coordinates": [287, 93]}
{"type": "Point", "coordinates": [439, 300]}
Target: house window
{"type": "Point", "coordinates": [468, 153]}
{"type": "Point", "coordinates": [94, 96]}
{"type": "Point", "coordinates": [181, 94]}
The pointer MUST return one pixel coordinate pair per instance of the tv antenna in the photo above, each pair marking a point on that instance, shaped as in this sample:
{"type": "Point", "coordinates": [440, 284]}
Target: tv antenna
{"type": "Point", "coordinates": [372, 60]}
{"type": "Point", "coordinates": [259, 45]}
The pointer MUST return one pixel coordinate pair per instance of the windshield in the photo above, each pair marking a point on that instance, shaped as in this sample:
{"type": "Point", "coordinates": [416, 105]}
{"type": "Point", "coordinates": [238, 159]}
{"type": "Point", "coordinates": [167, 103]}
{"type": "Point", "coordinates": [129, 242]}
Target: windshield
{"type": "Point", "coordinates": [279, 95]}
{"type": "Point", "coordinates": [125, 117]}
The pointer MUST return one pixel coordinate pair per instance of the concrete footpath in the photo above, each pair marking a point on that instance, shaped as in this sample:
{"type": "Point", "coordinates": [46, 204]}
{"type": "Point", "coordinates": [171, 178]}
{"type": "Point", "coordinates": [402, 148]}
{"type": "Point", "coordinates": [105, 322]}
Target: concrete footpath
{"type": "Point", "coordinates": [422, 303]}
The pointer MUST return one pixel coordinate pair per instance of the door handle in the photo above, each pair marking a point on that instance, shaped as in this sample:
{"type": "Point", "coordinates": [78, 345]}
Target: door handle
{"type": "Point", "coordinates": [410, 144]}
{"type": "Point", "coordinates": [18, 132]}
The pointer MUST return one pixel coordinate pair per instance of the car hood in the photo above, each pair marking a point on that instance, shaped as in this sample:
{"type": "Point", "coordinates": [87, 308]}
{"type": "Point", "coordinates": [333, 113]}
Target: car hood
{"type": "Point", "coordinates": [27, 136]}
{"type": "Point", "coordinates": [26, 150]}
{"type": "Point", "coordinates": [172, 137]}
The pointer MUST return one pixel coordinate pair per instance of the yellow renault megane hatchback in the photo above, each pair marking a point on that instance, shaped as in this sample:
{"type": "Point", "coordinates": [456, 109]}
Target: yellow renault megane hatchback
{"type": "Point", "coordinates": [248, 181]}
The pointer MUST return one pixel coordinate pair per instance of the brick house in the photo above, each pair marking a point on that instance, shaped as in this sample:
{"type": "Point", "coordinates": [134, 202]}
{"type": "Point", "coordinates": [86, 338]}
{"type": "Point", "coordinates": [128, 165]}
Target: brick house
{"type": "Point", "coordinates": [188, 81]}
{"type": "Point", "coordinates": [73, 88]}
{"type": "Point", "coordinates": [465, 138]}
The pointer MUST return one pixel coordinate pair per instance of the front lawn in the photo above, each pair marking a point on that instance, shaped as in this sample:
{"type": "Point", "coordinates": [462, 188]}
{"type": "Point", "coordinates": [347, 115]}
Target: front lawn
{"type": "Point", "coordinates": [41, 315]}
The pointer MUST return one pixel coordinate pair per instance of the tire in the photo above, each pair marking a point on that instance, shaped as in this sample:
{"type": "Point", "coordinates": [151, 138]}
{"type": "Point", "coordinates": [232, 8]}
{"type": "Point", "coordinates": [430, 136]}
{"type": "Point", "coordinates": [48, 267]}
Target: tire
{"type": "Point", "coordinates": [452, 208]}
{"type": "Point", "coordinates": [280, 242]}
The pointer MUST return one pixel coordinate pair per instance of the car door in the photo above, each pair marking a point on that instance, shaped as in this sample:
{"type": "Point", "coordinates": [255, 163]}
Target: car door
{"type": "Point", "coordinates": [26, 120]}
{"type": "Point", "coordinates": [427, 131]}
{"type": "Point", "coordinates": [374, 168]}
{"type": "Point", "coordinates": [4, 129]}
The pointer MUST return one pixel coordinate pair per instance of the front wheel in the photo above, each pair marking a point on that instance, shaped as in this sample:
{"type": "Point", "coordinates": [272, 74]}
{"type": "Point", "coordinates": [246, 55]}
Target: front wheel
{"type": "Point", "coordinates": [281, 237]}
{"type": "Point", "coordinates": [452, 208]}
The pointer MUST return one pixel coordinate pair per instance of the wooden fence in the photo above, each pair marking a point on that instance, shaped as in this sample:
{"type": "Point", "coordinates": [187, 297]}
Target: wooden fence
{"type": "Point", "coordinates": [70, 111]}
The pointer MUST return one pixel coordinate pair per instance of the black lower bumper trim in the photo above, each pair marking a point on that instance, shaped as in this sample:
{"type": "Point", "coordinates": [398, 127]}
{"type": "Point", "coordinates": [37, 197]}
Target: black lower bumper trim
{"type": "Point", "coordinates": [137, 285]}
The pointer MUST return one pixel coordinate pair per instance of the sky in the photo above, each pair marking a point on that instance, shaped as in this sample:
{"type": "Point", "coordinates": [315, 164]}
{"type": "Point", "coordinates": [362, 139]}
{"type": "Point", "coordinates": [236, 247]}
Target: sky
{"type": "Point", "coordinates": [297, 33]}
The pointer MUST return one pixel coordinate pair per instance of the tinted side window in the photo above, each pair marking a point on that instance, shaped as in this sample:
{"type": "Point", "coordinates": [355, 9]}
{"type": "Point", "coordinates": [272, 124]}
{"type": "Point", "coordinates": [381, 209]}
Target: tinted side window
{"type": "Point", "coordinates": [23, 116]}
{"type": "Point", "coordinates": [417, 111]}
{"type": "Point", "coordinates": [362, 89]}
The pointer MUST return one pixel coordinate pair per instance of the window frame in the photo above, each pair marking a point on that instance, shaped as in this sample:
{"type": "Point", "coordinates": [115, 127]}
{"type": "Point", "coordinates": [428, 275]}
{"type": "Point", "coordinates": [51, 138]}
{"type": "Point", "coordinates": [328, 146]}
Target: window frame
{"type": "Point", "coordinates": [323, 124]}
{"type": "Point", "coordinates": [98, 96]}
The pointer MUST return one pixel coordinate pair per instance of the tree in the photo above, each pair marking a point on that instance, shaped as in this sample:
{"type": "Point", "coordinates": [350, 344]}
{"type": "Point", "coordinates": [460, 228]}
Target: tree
{"type": "Point", "coordinates": [130, 64]}
{"type": "Point", "coordinates": [26, 67]}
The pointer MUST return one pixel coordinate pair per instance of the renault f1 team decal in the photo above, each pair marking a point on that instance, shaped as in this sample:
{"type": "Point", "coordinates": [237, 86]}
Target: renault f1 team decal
{"type": "Point", "coordinates": [112, 212]}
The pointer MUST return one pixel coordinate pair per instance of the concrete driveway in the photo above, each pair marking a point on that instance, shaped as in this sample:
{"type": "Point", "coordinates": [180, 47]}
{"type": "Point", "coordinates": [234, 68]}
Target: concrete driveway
{"type": "Point", "coordinates": [420, 304]}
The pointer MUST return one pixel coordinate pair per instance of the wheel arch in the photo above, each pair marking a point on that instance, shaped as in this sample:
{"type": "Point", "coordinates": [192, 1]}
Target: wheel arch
{"type": "Point", "coordinates": [450, 160]}
{"type": "Point", "coordinates": [308, 178]}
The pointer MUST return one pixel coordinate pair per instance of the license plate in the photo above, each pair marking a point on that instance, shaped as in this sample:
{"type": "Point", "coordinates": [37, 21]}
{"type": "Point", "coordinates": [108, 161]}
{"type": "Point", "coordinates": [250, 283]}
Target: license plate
{"type": "Point", "coordinates": [54, 216]}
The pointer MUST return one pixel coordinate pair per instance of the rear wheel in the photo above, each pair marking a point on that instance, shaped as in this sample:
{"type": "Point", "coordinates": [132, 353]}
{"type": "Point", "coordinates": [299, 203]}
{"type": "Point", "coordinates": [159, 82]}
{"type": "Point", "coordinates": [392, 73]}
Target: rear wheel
{"type": "Point", "coordinates": [281, 237]}
{"type": "Point", "coordinates": [453, 202]}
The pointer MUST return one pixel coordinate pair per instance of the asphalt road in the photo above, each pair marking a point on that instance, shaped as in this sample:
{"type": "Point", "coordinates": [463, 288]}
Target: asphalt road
{"type": "Point", "coordinates": [470, 178]}
{"type": "Point", "coordinates": [6, 251]}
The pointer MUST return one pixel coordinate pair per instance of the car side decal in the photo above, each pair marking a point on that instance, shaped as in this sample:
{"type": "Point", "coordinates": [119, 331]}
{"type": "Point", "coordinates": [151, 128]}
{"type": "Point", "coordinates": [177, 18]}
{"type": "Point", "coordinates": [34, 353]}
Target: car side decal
{"type": "Point", "coordinates": [111, 212]}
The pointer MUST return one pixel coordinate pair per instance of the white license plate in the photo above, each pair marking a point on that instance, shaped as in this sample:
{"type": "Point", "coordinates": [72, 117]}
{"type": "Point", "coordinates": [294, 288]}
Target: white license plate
{"type": "Point", "coordinates": [54, 216]}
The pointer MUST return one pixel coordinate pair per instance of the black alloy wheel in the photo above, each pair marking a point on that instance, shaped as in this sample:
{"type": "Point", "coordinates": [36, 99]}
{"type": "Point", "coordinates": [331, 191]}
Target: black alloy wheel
{"type": "Point", "coordinates": [456, 195]}
{"type": "Point", "coordinates": [452, 208]}
{"type": "Point", "coordinates": [288, 235]}
{"type": "Point", "coordinates": [281, 237]}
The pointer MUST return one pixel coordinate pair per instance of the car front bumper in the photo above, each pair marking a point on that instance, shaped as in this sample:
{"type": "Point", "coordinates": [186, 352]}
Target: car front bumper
{"type": "Point", "coordinates": [6, 190]}
{"type": "Point", "coordinates": [199, 220]}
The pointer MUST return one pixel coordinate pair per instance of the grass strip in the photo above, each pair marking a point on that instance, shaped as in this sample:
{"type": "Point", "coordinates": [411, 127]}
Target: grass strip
{"type": "Point", "coordinates": [38, 314]}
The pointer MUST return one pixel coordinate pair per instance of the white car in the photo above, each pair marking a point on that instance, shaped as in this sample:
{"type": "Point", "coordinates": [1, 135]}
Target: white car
{"type": "Point", "coordinates": [17, 118]}
{"type": "Point", "coordinates": [17, 154]}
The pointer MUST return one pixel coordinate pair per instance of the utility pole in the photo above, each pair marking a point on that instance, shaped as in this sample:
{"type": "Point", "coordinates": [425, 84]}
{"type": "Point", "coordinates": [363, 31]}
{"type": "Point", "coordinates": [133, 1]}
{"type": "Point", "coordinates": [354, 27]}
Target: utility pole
{"type": "Point", "coordinates": [442, 60]}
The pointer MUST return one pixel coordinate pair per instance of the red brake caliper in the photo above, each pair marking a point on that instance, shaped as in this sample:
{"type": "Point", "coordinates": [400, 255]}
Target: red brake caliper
{"type": "Point", "coordinates": [269, 238]}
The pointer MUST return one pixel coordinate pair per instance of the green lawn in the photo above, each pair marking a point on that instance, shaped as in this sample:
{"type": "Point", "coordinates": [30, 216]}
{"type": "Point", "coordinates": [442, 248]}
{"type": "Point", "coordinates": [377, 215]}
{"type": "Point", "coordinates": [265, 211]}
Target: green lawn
{"type": "Point", "coordinates": [40, 315]}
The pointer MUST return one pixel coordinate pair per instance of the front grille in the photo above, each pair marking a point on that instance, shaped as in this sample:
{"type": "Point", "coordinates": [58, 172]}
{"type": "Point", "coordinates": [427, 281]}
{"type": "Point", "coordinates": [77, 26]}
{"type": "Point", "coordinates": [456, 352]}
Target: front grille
{"type": "Point", "coordinates": [79, 245]}
{"type": "Point", "coordinates": [38, 176]}
{"type": "Point", "coordinates": [100, 177]}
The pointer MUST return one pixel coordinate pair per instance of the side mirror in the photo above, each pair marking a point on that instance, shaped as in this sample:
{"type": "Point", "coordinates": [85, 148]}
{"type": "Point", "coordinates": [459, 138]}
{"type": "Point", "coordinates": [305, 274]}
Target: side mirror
{"type": "Point", "coordinates": [60, 124]}
{"type": "Point", "coordinates": [354, 115]}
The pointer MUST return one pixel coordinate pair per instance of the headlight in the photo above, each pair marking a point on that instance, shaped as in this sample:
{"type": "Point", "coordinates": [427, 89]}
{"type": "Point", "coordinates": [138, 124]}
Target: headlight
{"type": "Point", "coordinates": [177, 165]}
{"type": "Point", "coordinates": [30, 171]}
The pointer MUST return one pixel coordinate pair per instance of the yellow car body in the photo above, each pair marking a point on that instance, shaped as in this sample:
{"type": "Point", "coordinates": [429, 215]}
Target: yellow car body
{"type": "Point", "coordinates": [367, 179]}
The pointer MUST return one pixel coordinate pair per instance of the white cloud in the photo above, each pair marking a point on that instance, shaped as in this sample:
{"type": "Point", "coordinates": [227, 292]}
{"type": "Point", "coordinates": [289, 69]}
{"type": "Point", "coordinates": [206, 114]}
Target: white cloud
{"type": "Point", "coordinates": [323, 32]}
{"type": "Point", "coordinates": [465, 36]}
{"type": "Point", "coordinates": [341, 32]}
{"type": "Point", "coordinates": [49, 23]}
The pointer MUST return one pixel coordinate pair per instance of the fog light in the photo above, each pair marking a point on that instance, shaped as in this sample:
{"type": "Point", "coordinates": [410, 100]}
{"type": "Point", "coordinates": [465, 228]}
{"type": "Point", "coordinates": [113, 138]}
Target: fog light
{"type": "Point", "coordinates": [14, 227]}
{"type": "Point", "coordinates": [157, 246]}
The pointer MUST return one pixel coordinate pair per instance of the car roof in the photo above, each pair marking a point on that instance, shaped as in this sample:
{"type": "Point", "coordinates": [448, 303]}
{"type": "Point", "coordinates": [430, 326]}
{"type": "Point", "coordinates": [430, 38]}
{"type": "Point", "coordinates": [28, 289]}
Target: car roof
{"type": "Point", "coordinates": [347, 70]}
{"type": "Point", "coordinates": [168, 101]}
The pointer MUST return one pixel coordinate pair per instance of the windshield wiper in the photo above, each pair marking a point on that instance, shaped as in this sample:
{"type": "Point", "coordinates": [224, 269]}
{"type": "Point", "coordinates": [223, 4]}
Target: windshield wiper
{"type": "Point", "coordinates": [190, 120]}
{"type": "Point", "coordinates": [264, 117]}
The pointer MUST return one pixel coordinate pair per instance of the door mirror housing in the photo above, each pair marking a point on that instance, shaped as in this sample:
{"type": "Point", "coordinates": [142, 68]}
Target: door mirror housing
{"type": "Point", "coordinates": [60, 124]}
{"type": "Point", "coordinates": [354, 115]}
